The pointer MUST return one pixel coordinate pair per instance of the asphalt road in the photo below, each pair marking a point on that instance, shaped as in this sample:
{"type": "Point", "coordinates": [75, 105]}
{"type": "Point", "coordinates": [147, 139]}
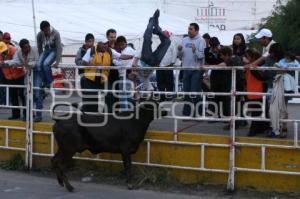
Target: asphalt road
{"type": "Point", "coordinates": [17, 185]}
{"type": "Point", "coordinates": [21, 185]}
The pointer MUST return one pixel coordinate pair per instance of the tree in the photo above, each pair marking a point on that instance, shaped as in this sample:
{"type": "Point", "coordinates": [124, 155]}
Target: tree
{"type": "Point", "coordinates": [285, 24]}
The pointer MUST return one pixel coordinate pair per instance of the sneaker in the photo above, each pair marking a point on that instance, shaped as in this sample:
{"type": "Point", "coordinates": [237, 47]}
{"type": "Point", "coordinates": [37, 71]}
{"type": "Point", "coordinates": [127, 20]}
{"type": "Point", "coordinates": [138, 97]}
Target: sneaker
{"type": "Point", "coordinates": [251, 134]}
{"type": "Point", "coordinates": [283, 133]}
{"type": "Point", "coordinates": [14, 117]}
{"type": "Point", "coordinates": [37, 119]}
{"type": "Point", "coordinates": [157, 30]}
{"type": "Point", "coordinates": [243, 123]}
{"type": "Point", "coordinates": [156, 14]}
{"type": "Point", "coordinates": [272, 134]}
{"type": "Point", "coordinates": [226, 127]}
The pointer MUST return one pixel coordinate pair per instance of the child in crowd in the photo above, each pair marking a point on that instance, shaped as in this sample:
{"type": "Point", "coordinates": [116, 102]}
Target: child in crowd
{"type": "Point", "coordinates": [231, 60]}
{"type": "Point", "coordinates": [283, 83]}
{"type": "Point", "coordinates": [289, 61]}
{"type": "Point", "coordinates": [255, 83]}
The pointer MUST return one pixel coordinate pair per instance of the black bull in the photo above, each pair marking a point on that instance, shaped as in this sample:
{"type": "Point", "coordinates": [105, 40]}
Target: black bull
{"type": "Point", "coordinates": [115, 136]}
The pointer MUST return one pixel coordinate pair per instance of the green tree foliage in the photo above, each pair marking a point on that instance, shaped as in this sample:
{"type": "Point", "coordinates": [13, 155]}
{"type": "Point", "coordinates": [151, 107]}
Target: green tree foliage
{"type": "Point", "coordinates": [285, 24]}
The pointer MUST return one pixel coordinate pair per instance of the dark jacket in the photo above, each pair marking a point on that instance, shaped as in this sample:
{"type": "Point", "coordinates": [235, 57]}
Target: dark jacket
{"type": "Point", "coordinates": [266, 76]}
{"type": "Point", "coordinates": [78, 60]}
{"type": "Point", "coordinates": [210, 58]}
{"type": "Point", "coordinates": [240, 74]}
{"type": "Point", "coordinates": [216, 76]}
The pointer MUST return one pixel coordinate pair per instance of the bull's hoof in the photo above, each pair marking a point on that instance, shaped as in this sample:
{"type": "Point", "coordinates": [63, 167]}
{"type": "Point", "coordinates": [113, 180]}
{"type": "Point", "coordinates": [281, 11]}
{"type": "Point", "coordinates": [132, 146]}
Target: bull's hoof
{"type": "Point", "coordinates": [70, 188]}
{"type": "Point", "coordinates": [129, 186]}
{"type": "Point", "coordinates": [61, 183]}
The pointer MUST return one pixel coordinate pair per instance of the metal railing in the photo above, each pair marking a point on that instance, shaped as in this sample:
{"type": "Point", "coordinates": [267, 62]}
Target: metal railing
{"type": "Point", "coordinates": [202, 146]}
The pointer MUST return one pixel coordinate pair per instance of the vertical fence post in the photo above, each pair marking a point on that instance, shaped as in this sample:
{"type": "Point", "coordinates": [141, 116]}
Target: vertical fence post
{"type": "Point", "coordinates": [7, 96]}
{"type": "Point", "coordinates": [297, 81]}
{"type": "Point", "coordinates": [230, 183]}
{"type": "Point", "coordinates": [29, 121]}
{"type": "Point", "coordinates": [77, 79]}
{"type": "Point", "coordinates": [175, 133]}
{"type": "Point", "coordinates": [295, 134]}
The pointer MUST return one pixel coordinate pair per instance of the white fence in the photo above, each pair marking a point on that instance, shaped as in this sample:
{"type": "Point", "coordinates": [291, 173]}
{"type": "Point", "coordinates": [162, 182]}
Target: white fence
{"type": "Point", "coordinates": [232, 145]}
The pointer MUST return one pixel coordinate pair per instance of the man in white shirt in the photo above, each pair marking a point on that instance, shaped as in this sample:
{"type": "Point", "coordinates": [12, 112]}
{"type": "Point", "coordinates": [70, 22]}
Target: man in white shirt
{"type": "Point", "coordinates": [101, 55]}
{"type": "Point", "coordinates": [125, 50]}
{"type": "Point", "coordinates": [265, 38]}
{"type": "Point", "coordinates": [146, 57]}
{"type": "Point", "coordinates": [125, 84]}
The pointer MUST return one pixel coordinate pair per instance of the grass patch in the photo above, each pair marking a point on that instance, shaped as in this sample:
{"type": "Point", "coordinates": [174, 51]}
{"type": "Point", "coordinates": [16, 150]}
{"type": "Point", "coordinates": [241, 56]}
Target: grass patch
{"type": "Point", "coordinates": [16, 162]}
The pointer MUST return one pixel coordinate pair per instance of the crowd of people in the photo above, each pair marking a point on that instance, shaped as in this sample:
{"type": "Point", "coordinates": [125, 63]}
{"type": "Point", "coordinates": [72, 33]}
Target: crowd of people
{"type": "Point", "coordinates": [16, 61]}
{"type": "Point", "coordinates": [195, 51]}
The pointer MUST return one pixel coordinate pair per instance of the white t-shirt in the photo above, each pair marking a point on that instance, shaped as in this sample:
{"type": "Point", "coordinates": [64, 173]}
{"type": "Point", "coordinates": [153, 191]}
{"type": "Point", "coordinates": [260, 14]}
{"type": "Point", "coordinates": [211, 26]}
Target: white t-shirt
{"type": "Point", "coordinates": [119, 62]}
{"type": "Point", "coordinates": [170, 56]}
{"type": "Point", "coordinates": [267, 48]}
{"type": "Point", "coordinates": [87, 57]}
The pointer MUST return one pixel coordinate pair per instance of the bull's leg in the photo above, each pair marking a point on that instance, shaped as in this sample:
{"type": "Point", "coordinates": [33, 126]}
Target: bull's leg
{"type": "Point", "coordinates": [69, 187]}
{"type": "Point", "coordinates": [60, 163]}
{"type": "Point", "coordinates": [56, 161]}
{"type": "Point", "coordinates": [127, 165]}
{"type": "Point", "coordinates": [67, 160]}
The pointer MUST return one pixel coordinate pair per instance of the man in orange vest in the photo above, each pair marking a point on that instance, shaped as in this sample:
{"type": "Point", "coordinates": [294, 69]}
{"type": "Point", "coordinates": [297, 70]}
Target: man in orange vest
{"type": "Point", "coordinates": [27, 57]}
{"type": "Point", "coordinates": [100, 55]}
{"type": "Point", "coordinates": [13, 76]}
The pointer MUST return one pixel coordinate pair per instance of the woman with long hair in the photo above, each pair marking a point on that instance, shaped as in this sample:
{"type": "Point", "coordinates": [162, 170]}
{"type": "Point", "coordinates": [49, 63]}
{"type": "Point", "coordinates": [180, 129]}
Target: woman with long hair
{"type": "Point", "coordinates": [239, 45]}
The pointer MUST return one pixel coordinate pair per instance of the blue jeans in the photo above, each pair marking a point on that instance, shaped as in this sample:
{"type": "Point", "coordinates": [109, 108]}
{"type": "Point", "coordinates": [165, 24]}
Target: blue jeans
{"type": "Point", "coordinates": [148, 56]}
{"type": "Point", "coordinates": [124, 96]}
{"type": "Point", "coordinates": [46, 59]}
{"type": "Point", "coordinates": [38, 94]}
{"type": "Point", "coordinates": [192, 80]}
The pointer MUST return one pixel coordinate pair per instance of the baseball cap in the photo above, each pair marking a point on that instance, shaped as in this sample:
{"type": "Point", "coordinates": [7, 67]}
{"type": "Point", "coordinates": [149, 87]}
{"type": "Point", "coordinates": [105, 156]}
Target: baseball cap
{"type": "Point", "coordinates": [264, 33]}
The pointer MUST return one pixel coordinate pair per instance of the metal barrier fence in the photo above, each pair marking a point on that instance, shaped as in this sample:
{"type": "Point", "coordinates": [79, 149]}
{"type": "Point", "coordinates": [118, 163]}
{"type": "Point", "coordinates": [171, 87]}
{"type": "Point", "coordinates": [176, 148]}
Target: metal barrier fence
{"type": "Point", "coordinates": [232, 145]}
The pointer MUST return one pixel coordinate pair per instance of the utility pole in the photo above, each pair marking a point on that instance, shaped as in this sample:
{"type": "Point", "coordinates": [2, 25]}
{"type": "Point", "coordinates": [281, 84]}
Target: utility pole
{"type": "Point", "coordinates": [208, 12]}
{"type": "Point", "coordinates": [164, 6]}
{"type": "Point", "coordinates": [34, 21]}
{"type": "Point", "coordinates": [209, 5]}
{"type": "Point", "coordinates": [254, 13]}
